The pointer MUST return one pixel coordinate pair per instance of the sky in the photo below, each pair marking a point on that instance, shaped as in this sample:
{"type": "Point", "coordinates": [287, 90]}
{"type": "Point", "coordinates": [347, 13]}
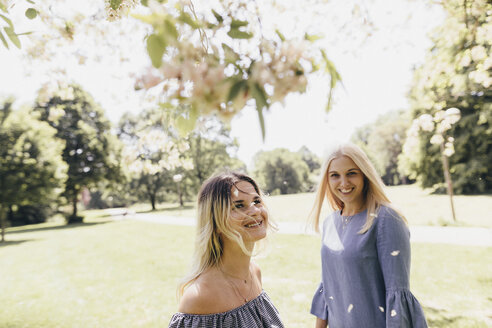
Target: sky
{"type": "Point", "coordinates": [376, 73]}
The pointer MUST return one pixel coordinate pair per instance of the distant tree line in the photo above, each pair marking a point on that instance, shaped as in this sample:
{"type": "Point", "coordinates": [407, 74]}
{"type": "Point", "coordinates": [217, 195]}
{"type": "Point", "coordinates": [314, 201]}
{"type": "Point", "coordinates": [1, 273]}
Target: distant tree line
{"type": "Point", "coordinates": [64, 147]}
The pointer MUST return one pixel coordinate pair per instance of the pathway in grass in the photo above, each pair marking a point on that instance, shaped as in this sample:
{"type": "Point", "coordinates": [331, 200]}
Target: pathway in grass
{"type": "Point", "coordinates": [467, 236]}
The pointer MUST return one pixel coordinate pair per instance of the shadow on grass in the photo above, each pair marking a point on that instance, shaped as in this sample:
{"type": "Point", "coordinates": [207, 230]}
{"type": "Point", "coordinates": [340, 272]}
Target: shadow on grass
{"type": "Point", "coordinates": [167, 209]}
{"type": "Point", "coordinates": [440, 317]}
{"type": "Point", "coordinates": [14, 242]}
{"type": "Point", "coordinates": [58, 227]}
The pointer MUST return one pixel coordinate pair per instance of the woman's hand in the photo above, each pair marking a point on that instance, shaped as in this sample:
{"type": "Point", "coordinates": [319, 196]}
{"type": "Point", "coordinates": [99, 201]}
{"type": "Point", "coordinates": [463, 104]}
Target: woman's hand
{"type": "Point", "coordinates": [320, 323]}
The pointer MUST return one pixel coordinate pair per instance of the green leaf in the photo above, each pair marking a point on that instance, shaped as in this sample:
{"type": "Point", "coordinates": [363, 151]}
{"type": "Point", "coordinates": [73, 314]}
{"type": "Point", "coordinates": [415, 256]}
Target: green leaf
{"type": "Point", "coordinates": [170, 29]}
{"type": "Point", "coordinates": [236, 34]}
{"type": "Point", "coordinates": [145, 3]}
{"type": "Point", "coordinates": [12, 36]}
{"type": "Point", "coordinates": [330, 98]}
{"type": "Point", "coordinates": [3, 7]}
{"type": "Point", "coordinates": [280, 35]}
{"type": "Point", "coordinates": [5, 18]}
{"type": "Point", "coordinates": [115, 4]}
{"type": "Point", "coordinates": [186, 18]}
{"type": "Point", "coordinates": [31, 13]}
{"type": "Point", "coordinates": [235, 89]}
{"type": "Point", "coordinates": [3, 40]}
{"type": "Point", "coordinates": [148, 19]}
{"type": "Point", "coordinates": [156, 47]}
{"type": "Point", "coordinates": [261, 102]}
{"type": "Point", "coordinates": [235, 24]}
{"type": "Point", "coordinates": [260, 95]}
{"type": "Point", "coordinates": [186, 124]}
{"type": "Point", "coordinates": [312, 38]}
{"type": "Point", "coordinates": [230, 55]}
{"type": "Point", "coordinates": [217, 16]}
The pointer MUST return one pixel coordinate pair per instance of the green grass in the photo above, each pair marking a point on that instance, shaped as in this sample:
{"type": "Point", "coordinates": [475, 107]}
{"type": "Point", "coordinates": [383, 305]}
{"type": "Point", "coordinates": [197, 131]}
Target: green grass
{"type": "Point", "coordinates": [420, 207]}
{"type": "Point", "coordinates": [124, 273]}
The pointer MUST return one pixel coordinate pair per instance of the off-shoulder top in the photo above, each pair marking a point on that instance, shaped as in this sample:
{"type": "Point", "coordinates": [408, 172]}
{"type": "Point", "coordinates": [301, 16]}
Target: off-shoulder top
{"type": "Point", "coordinates": [365, 277]}
{"type": "Point", "coordinates": [257, 313]}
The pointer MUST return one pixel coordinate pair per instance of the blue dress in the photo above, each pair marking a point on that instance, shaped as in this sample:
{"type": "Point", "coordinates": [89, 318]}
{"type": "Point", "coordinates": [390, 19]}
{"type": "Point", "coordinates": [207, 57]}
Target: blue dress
{"type": "Point", "coordinates": [365, 277]}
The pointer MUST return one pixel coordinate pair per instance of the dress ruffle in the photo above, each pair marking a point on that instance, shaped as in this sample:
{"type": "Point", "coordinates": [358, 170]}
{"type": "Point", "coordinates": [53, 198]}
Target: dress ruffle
{"type": "Point", "coordinates": [403, 310]}
{"type": "Point", "coordinates": [318, 306]}
{"type": "Point", "coordinates": [259, 312]}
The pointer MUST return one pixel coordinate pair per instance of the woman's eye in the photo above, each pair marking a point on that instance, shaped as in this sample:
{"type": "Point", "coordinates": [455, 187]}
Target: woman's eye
{"type": "Point", "coordinates": [238, 206]}
{"type": "Point", "coordinates": [334, 175]}
{"type": "Point", "coordinates": [352, 173]}
{"type": "Point", "coordinates": [257, 201]}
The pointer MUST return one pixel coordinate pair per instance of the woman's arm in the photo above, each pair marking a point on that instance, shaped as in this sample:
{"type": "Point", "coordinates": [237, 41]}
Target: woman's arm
{"type": "Point", "coordinates": [320, 323]}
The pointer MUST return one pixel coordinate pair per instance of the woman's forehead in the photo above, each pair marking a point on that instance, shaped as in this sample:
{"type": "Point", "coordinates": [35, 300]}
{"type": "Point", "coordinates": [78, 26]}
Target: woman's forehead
{"type": "Point", "coordinates": [243, 188]}
{"type": "Point", "coordinates": [342, 163]}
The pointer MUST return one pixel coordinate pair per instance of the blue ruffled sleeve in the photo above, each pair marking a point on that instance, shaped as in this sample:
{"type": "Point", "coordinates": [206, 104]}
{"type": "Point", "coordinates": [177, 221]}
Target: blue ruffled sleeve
{"type": "Point", "coordinates": [318, 306]}
{"type": "Point", "coordinates": [393, 247]}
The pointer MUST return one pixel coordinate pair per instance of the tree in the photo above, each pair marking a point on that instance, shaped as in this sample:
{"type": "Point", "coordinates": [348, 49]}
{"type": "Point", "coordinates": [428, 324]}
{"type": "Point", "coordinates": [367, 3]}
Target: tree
{"type": "Point", "coordinates": [32, 171]}
{"type": "Point", "coordinates": [281, 171]}
{"type": "Point", "coordinates": [382, 141]}
{"type": "Point", "coordinates": [311, 159]}
{"type": "Point", "coordinates": [153, 153]}
{"type": "Point", "coordinates": [211, 150]}
{"type": "Point", "coordinates": [91, 151]}
{"type": "Point", "coordinates": [443, 120]}
{"type": "Point", "coordinates": [457, 74]}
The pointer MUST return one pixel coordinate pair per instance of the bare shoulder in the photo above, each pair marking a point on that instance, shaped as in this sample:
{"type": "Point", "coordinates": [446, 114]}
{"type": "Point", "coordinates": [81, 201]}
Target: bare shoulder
{"type": "Point", "coordinates": [197, 297]}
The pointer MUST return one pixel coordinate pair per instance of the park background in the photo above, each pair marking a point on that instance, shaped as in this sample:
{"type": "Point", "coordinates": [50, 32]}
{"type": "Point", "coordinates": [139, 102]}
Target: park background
{"type": "Point", "coordinates": [98, 151]}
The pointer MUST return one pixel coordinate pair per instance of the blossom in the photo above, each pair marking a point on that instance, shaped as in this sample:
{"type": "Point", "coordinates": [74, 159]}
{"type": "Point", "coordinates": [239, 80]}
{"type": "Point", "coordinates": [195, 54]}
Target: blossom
{"type": "Point", "coordinates": [426, 122]}
{"type": "Point", "coordinates": [478, 53]}
{"type": "Point", "coordinates": [437, 139]}
{"type": "Point", "coordinates": [448, 149]}
{"type": "Point", "coordinates": [453, 115]}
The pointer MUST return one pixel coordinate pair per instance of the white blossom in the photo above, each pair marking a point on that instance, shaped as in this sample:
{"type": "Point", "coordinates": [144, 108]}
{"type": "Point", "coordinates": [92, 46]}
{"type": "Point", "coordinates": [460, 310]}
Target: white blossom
{"type": "Point", "coordinates": [426, 122]}
{"type": "Point", "coordinates": [478, 53]}
{"type": "Point", "coordinates": [437, 139]}
{"type": "Point", "coordinates": [453, 115]}
{"type": "Point", "coordinates": [448, 149]}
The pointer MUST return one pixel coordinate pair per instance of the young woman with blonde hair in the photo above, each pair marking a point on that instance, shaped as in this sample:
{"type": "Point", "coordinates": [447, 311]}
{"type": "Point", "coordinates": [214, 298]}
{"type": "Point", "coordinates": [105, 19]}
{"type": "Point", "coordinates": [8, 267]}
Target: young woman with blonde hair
{"type": "Point", "coordinates": [224, 287]}
{"type": "Point", "coordinates": [365, 250]}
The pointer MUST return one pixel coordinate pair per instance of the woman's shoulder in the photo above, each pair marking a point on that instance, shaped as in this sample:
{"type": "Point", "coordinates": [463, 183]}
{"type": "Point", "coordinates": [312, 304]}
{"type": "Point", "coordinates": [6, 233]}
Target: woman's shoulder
{"type": "Point", "coordinates": [388, 219]}
{"type": "Point", "coordinates": [388, 211]}
{"type": "Point", "coordinates": [255, 270]}
{"type": "Point", "coordinates": [196, 298]}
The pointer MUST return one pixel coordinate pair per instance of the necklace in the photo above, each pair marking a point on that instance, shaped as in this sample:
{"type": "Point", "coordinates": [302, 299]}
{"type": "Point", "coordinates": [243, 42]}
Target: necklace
{"type": "Point", "coordinates": [346, 220]}
{"type": "Point", "coordinates": [235, 288]}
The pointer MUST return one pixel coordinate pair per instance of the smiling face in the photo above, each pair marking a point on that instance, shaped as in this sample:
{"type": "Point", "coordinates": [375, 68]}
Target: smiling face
{"type": "Point", "coordinates": [249, 216]}
{"type": "Point", "coordinates": [346, 182]}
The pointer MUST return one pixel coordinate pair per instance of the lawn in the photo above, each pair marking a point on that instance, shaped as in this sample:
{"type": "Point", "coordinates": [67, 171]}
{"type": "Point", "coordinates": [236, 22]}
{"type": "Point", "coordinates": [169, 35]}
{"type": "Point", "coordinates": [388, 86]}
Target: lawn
{"type": "Point", "coordinates": [420, 207]}
{"type": "Point", "coordinates": [124, 273]}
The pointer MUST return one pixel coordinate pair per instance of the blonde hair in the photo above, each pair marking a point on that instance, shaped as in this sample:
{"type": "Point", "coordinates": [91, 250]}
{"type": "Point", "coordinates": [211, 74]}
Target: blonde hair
{"type": "Point", "coordinates": [373, 191]}
{"type": "Point", "coordinates": [213, 213]}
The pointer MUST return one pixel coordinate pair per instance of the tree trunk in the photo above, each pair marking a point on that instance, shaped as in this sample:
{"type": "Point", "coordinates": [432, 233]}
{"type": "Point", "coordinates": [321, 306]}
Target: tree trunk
{"type": "Point", "coordinates": [74, 205]}
{"type": "Point", "coordinates": [447, 178]}
{"type": "Point", "coordinates": [2, 222]}
{"type": "Point", "coordinates": [152, 201]}
{"type": "Point", "coordinates": [180, 194]}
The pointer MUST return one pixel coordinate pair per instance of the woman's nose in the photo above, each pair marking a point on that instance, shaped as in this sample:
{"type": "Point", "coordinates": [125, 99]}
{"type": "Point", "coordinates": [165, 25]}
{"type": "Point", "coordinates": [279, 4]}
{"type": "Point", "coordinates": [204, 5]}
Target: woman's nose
{"type": "Point", "coordinates": [252, 209]}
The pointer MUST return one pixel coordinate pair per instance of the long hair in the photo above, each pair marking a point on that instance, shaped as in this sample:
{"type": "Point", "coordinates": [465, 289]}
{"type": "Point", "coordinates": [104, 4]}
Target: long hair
{"type": "Point", "coordinates": [213, 213]}
{"type": "Point", "coordinates": [373, 191]}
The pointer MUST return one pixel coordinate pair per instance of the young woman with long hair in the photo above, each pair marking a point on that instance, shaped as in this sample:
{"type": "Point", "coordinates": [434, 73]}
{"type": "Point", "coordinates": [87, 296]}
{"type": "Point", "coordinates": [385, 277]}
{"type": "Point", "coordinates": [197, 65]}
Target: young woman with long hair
{"type": "Point", "coordinates": [365, 250]}
{"type": "Point", "coordinates": [224, 286]}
